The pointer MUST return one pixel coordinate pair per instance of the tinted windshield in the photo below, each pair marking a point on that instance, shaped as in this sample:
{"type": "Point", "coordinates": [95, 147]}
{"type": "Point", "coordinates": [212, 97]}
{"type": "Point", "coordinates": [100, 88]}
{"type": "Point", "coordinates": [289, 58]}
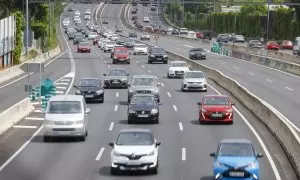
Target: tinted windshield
{"type": "Point", "coordinates": [143, 82]}
{"type": "Point", "coordinates": [158, 50]}
{"type": "Point", "coordinates": [193, 75]}
{"type": "Point", "coordinates": [120, 51]}
{"type": "Point", "coordinates": [197, 50]}
{"type": "Point", "coordinates": [178, 64]}
{"type": "Point", "coordinates": [89, 83]}
{"type": "Point", "coordinates": [236, 149]}
{"type": "Point", "coordinates": [134, 139]}
{"type": "Point", "coordinates": [117, 72]}
{"type": "Point", "coordinates": [64, 107]}
{"type": "Point", "coordinates": [216, 101]}
{"type": "Point", "coordinates": [110, 43]}
{"type": "Point", "coordinates": [147, 100]}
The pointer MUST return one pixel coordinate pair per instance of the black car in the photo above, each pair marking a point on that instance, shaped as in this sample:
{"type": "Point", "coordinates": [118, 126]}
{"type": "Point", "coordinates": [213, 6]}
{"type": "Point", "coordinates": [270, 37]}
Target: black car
{"type": "Point", "coordinates": [197, 53]}
{"type": "Point", "coordinates": [223, 38]}
{"type": "Point", "coordinates": [120, 41]}
{"type": "Point", "coordinates": [119, 30]}
{"type": "Point", "coordinates": [116, 78]}
{"type": "Point", "coordinates": [132, 34]}
{"type": "Point", "coordinates": [91, 89]}
{"type": "Point", "coordinates": [134, 10]}
{"type": "Point", "coordinates": [153, 8]}
{"type": "Point", "coordinates": [105, 22]}
{"type": "Point", "coordinates": [71, 9]}
{"type": "Point", "coordinates": [129, 43]}
{"type": "Point", "coordinates": [175, 32]}
{"type": "Point", "coordinates": [78, 38]}
{"type": "Point", "coordinates": [134, 17]}
{"type": "Point", "coordinates": [143, 107]}
{"type": "Point", "coordinates": [157, 54]}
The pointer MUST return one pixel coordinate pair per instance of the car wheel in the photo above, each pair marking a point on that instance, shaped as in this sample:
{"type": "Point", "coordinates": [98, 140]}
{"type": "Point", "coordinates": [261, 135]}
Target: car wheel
{"type": "Point", "coordinates": [165, 62]}
{"type": "Point", "coordinates": [128, 100]}
{"type": "Point", "coordinates": [101, 100]}
{"type": "Point", "coordinates": [129, 121]}
{"type": "Point", "coordinates": [113, 171]}
{"type": "Point", "coordinates": [201, 122]}
{"type": "Point", "coordinates": [128, 62]}
{"type": "Point", "coordinates": [82, 138]}
{"type": "Point", "coordinates": [47, 139]}
{"type": "Point", "coordinates": [156, 121]}
{"type": "Point", "coordinates": [149, 62]}
{"type": "Point", "coordinates": [168, 75]}
{"type": "Point", "coordinates": [114, 62]}
{"type": "Point", "coordinates": [104, 50]}
{"type": "Point", "coordinates": [182, 89]}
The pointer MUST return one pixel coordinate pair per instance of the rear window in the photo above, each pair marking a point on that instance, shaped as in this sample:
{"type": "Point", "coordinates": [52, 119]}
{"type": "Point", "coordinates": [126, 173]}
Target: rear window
{"type": "Point", "coordinates": [64, 107]}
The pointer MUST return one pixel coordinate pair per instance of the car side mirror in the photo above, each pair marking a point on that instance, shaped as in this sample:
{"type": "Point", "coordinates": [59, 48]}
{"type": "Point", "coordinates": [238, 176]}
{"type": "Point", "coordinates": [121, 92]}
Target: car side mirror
{"type": "Point", "coordinates": [199, 103]}
{"type": "Point", "coordinates": [212, 154]}
{"type": "Point", "coordinates": [111, 144]}
{"type": "Point", "coordinates": [127, 74]}
{"type": "Point", "coordinates": [157, 144]}
{"type": "Point", "coordinates": [87, 111]}
{"type": "Point", "coordinates": [104, 74]}
{"type": "Point", "coordinates": [232, 104]}
{"type": "Point", "coordinates": [259, 155]}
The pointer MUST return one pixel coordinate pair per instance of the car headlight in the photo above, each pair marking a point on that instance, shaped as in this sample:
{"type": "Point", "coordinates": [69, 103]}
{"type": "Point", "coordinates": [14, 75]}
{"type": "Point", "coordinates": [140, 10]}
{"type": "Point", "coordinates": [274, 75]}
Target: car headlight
{"type": "Point", "coordinates": [99, 92]}
{"type": "Point", "coordinates": [116, 153]}
{"type": "Point", "coordinates": [77, 91]}
{"type": "Point", "coordinates": [48, 122]}
{"type": "Point", "coordinates": [229, 110]}
{"type": "Point", "coordinates": [203, 110]}
{"type": "Point", "coordinates": [152, 55]}
{"type": "Point", "coordinates": [203, 54]}
{"type": "Point", "coordinates": [251, 165]}
{"type": "Point", "coordinates": [115, 57]}
{"type": "Point", "coordinates": [131, 111]}
{"type": "Point", "coordinates": [154, 111]}
{"type": "Point", "coordinates": [151, 153]}
{"type": "Point", "coordinates": [219, 164]}
{"type": "Point", "coordinates": [79, 122]}
{"type": "Point", "coordinates": [131, 91]}
{"type": "Point", "coordinates": [124, 80]}
{"type": "Point", "coordinates": [165, 56]}
{"type": "Point", "coordinates": [155, 91]}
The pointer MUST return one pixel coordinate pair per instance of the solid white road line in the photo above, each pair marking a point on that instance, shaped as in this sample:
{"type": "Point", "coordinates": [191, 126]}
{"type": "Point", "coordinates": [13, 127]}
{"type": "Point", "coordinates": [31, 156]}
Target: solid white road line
{"type": "Point", "coordinates": [117, 94]}
{"type": "Point", "coordinates": [235, 67]}
{"type": "Point", "coordinates": [175, 108]}
{"type": "Point", "coordinates": [35, 103]}
{"type": "Point", "coordinates": [264, 147]}
{"type": "Point", "coordinates": [169, 94]}
{"type": "Point", "coordinates": [188, 46]}
{"type": "Point", "coordinates": [65, 80]}
{"type": "Point", "coordinates": [37, 110]}
{"type": "Point", "coordinates": [25, 127]}
{"type": "Point", "coordinates": [61, 83]}
{"type": "Point", "coordinates": [35, 118]}
{"type": "Point", "coordinates": [59, 92]}
{"type": "Point", "coordinates": [269, 80]}
{"type": "Point", "coordinates": [183, 154]}
{"type": "Point", "coordinates": [252, 74]}
{"type": "Point", "coordinates": [143, 66]}
{"type": "Point", "coordinates": [180, 126]}
{"type": "Point", "coordinates": [100, 154]}
{"type": "Point", "coordinates": [61, 87]}
{"type": "Point", "coordinates": [289, 88]}
{"type": "Point", "coordinates": [116, 107]}
{"type": "Point", "coordinates": [111, 126]}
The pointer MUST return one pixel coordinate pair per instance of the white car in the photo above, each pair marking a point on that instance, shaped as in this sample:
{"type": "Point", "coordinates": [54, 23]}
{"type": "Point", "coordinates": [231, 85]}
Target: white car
{"type": "Point", "coordinates": [177, 69]}
{"type": "Point", "coordinates": [114, 37]}
{"type": "Point", "coordinates": [135, 150]}
{"type": "Point", "coordinates": [194, 80]}
{"type": "Point", "coordinates": [77, 13]}
{"type": "Point", "coordinates": [109, 46]}
{"type": "Point", "coordinates": [183, 31]}
{"type": "Point", "coordinates": [87, 17]}
{"type": "Point", "coordinates": [92, 35]}
{"type": "Point", "coordinates": [66, 22]}
{"type": "Point", "coordinates": [102, 43]}
{"type": "Point", "coordinates": [78, 21]}
{"type": "Point", "coordinates": [191, 34]}
{"type": "Point", "coordinates": [88, 12]}
{"type": "Point", "coordinates": [140, 49]}
{"type": "Point", "coordinates": [145, 36]}
{"type": "Point", "coordinates": [146, 19]}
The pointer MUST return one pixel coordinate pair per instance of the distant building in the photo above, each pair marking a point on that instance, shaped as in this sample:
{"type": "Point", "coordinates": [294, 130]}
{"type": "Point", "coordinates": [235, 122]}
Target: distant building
{"type": "Point", "coordinates": [7, 41]}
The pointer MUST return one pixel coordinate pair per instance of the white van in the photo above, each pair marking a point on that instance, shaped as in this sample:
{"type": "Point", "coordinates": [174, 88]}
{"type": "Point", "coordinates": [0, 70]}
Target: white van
{"type": "Point", "coordinates": [296, 46]}
{"type": "Point", "coordinates": [191, 34]}
{"type": "Point", "coordinates": [66, 115]}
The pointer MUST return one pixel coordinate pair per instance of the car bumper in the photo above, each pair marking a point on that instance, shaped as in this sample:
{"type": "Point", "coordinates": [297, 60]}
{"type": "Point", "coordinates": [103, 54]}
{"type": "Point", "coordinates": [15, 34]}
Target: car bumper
{"type": "Point", "coordinates": [84, 50]}
{"type": "Point", "coordinates": [251, 174]}
{"type": "Point", "coordinates": [202, 87]}
{"type": "Point", "coordinates": [136, 117]}
{"type": "Point", "coordinates": [129, 46]}
{"type": "Point", "coordinates": [62, 130]}
{"type": "Point", "coordinates": [108, 48]}
{"type": "Point", "coordinates": [157, 97]}
{"type": "Point", "coordinates": [158, 59]}
{"type": "Point", "coordinates": [92, 96]}
{"type": "Point", "coordinates": [145, 38]}
{"type": "Point", "coordinates": [124, 164]}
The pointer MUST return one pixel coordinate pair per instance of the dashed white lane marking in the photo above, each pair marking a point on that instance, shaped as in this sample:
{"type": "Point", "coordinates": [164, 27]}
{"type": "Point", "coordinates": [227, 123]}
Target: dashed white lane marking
{"type": "Point", "coordinates": [25, 127]}
{"type": "Point", "coordinates": [61, 87]}
{"type": "Point", "coordinates": [183, 154]}
{"type": "Point", "coordinates": [162, 84]}
{"type": "Point", "coordinates": [60, 92]}
{"type": "Point", "coordinates": [180, 126]}
{"type": "Point", "coordinates": [108, 66]}
{"type": "Point", "coordinates": [61, 83]}
{"type": "Point", "coordinates": [252, 74]}
{"type": "Point", "coordinates": [65, 80]}
{"type": "Point", "coordinates": [38, 110]}
{"type": "Point", "coordinates": [35, 118]}
{"type": "Point", "coordinates": [117, 94]}
{"type": "Point", "coordinates": [289, 88]}
{"type": "Point", "coordinates": [175, 108]}
{"type": "Point", "coordinates": [143, 66]}
{"type": "Point", "coordinates": [149, 71]}
{"type": "Point", "coordinates": [111, 126]}
{"type": "Point", "coordinates": [100, 154]}
{"type": "Point", "coordinates": [116, 107]}
{"type": "Point", "coordinates": [188, 46]}
{"type": "Point", "coordinates": [269, 80]}
{"type": "Point", "coordinates": [169, 94]}
{"type": "Point", "coordinates": [235, 67]}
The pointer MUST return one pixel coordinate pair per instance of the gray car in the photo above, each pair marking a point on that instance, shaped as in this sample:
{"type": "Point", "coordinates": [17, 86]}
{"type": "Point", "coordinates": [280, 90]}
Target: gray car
{"type": "Point", "coordinates": [144, 84]}
{"type": "Point", "coordinates": [194, 80]}
{"type": "Point", "coordinates": [116, 78]}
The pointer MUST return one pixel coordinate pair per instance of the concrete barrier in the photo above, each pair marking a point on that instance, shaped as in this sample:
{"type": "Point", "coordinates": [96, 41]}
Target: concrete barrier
{"type": "Point", "coordinates": [14, 114]}
{"type": "Point", "coordinates": [277, 124]}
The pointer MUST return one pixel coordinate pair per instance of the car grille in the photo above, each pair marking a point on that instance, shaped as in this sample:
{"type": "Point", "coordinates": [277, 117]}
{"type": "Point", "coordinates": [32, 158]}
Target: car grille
{"type": "Point", "coordinates": [179, 72]}
{"type": "Point", "coordinates": [63, 122]}
{"type": "Point", "coordinates": [134, 156]}
{"type": "Point", "coordinates": [159, 57]}
{"type": "Point", "coordinates": [143, 92]}
{"type": "Point", "coordinates": [115, 82]}
{"type": "Point", "coordinates": [217, 115]}
{"type": "Point", "coordinates": [141, 112]}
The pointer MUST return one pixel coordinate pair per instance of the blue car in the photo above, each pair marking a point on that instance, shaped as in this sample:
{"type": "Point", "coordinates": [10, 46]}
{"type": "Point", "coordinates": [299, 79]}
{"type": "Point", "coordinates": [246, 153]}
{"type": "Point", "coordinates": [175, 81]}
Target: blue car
{"type": "Point", "coordinates": [236, 159]}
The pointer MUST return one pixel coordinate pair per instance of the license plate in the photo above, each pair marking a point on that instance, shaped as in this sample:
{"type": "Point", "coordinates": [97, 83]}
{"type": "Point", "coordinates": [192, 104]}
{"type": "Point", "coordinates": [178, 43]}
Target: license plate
{"type": "Point", "coordinates": [236, 174]}
{"type": "Point", "coordinates": [159, 59]}
{"type": "Point", "coordinates": [144, 115]}
{"type": "Point", "coordinates": [217, 115]}
{"type": "Point", "coordinates": [133, 163]}
{"type": "Point", "coordinates": [115, 82]}
{"type": "Point", "coordinates": [89, 96]}
{"type": "Point", "coordinates": [194, 85]}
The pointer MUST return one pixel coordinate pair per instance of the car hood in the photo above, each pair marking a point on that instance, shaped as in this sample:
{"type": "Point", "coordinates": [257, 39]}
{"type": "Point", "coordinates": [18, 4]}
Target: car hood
{"type": "Point", "coordinates": [138, 150]}
{"type": "Point", "coordinates": [158, 54]}
{"type": "Point", "coordinates": [92, 89]}
{"type": "Point", "coordinates": [87, 47]}
{"type": "Point", "coordinates": [64, 117]}
{"type": "Point", "coordinates": [121, 55]}
{"type": "Point", "coordinates": [216, 108]}
{"type": "Point", "coordinates": [142, 107]}
{"type": "Point", "coordinates": [115, 77]}
{"type": "Point", "coordinates": [143, 88]}
{"type": "Point", "coordinates": [178, 68]}
{"type": "Point", "coordinates": [236, 161]}
{"type": "Point", "coordinates": [140, 48]}
{"type": "Point", "coordinates": [194, 79]}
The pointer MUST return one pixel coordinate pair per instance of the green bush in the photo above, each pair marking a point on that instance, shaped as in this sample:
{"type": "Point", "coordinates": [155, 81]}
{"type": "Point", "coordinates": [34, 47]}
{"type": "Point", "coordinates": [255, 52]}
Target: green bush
{"type": "Point", "coordinates": [20, 23]}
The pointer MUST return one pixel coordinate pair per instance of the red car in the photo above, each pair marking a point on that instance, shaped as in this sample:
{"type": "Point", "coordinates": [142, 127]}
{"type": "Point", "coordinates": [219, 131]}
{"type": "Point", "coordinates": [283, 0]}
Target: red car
{"type": "Point", "coordinates": [83, 47]}
{"type": "Point", "coordinates": [95, 40]}
{"type": "Point", "coordinates": [272, 45]}
{"type": "Point", "coordinates": [286, 44]}
{"type": "Point", "coordinates": [215, 109]}
{"type": "Point", "coordinates": [199, 35]}
{"type": "Point", "coordinates": [120, 55]}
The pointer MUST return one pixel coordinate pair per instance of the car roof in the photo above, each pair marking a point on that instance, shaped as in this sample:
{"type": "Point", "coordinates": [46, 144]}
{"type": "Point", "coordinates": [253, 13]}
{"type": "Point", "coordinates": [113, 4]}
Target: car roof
{"type": "Point", "coordinates": [66, 98]}
{"type": "Point", "coordinates": [144, 76]}
{"type": "Point", "coordinates": [177, 62]}
{"type": "Point", "coordinates": [214, 95]}
{"type": "Point", "coordinates": [243, 141]}
{"type": "Point", "coordinates": [136, 130]}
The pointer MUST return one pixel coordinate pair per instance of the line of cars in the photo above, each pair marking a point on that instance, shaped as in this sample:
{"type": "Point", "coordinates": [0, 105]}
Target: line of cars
{"type": "Point", "coordinates": [138, 149]}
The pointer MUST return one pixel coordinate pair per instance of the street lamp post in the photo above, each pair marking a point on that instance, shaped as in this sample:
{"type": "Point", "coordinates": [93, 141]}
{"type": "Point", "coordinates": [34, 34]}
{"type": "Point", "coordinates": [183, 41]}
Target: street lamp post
{"type": "Point", "coordinates": [268, 19]}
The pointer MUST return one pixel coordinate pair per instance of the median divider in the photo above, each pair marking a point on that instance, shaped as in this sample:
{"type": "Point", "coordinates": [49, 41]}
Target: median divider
{"type": "Point", "coordinates": [14, 114]}
{"type": "Point", "coordinates": [277, 124]}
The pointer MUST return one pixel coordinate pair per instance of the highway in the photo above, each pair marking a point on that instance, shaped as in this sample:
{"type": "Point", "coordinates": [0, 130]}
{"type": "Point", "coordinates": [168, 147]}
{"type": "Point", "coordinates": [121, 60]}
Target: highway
{"type": "Point", "coordinates": [184, 153]}
{"type": "Point", "coordinates": [277, 88]}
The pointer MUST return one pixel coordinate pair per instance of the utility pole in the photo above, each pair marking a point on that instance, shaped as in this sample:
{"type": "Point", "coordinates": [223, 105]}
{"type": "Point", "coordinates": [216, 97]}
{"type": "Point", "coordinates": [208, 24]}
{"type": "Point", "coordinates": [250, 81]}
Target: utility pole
{"type": "Point", "coordinates": [268, 19]}
{"type": "Point", "coordinates": [27, 28]}
{"type": "Point", "coordinates": [49, 27]}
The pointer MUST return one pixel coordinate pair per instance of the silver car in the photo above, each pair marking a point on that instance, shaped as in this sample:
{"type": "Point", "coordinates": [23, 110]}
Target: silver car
{"type": "Point", "coordinates": [66, 115]}
{"type": "Point", "coordinates": [194, 80]}
{"type": "Point", "coordinates": [144, 84]}
{"type": "Point", "coordinates": [116, 78]}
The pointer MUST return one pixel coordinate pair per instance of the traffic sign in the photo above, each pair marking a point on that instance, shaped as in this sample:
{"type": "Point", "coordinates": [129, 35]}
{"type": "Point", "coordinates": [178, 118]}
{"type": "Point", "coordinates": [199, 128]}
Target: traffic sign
{"type": "Point", "coordinates": [261, 39]}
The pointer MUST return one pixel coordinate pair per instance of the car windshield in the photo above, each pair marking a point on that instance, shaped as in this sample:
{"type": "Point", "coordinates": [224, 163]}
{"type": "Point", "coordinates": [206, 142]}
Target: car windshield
{"type": "Point", "coordinates": [92, 33]}
{"type": "Point", "coordinates": [120, 51]}
{"type": "Point", "coordinates": [145, 34]}
{"type": "Point", "coordinates": [89, 83]}
{"type": "Point", "coordinates": [121, 39]}
{"type": "Point", "coordinates": [117, 72]}
{"type": "Point", "coordinates": [146, 100]}
{"type": "Point", "coordinates": [273, 43]}
{"type": "Point", "coordinates": [236, 149]}
{"type": "Point", "coordinates": [110, 43]}
{"type": "Point", "coordinates": [134, 139]}
{"type": "Point", "coordinates": [78, 36]}
{"type": "Point", "coordinates": [216, 101]}
{"type": "Point", "coordinates": [178, 64]}
{"type": "Point", "coordinates": [157, 50]}
{"type": "Point", "coordinates": [143, 82]}
{"type": "Point", "coordinates": [130, 40]}
{"type": "Point", "coordinates": [197, 50]}
{"type": "Point", "coordinates": [193, 75]}
{"type": "Point", "coordinates": [64, 107]}
{"type": "Point", "coordinates": [83, 44]}
{"type": "Point", "coordinates": [140, 46]}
